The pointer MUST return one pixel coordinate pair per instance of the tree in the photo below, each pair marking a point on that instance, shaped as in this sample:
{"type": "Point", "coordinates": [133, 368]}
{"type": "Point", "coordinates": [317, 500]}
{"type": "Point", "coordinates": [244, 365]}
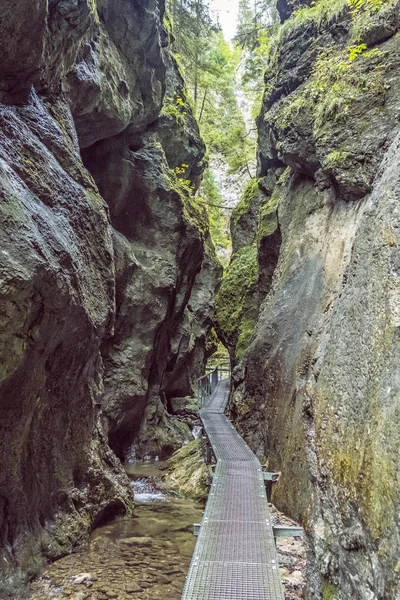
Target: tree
{"type": "Point", "coordinates": [255, 16]}
{"type": "Point", "coordinates": [246, 34]}
{"type": "Point", "coordinates": [192, 26]}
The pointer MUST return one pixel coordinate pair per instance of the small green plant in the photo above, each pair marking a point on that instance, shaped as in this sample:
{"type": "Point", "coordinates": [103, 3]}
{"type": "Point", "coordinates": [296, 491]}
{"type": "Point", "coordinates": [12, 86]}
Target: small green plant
{"type": "Point", "coordinates": [371, 5]}
{"type": "Point", "coordinates": [175, 108]}
{"type": "Point", "coordinates": [182, 169]}
{"type": "Point", "coordinates": [355, 51]}
{"type": "Point", "coordinates": [336, 158]}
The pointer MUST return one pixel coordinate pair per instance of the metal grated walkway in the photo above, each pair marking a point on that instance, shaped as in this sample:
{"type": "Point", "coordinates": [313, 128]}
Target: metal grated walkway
{"type": "Point", "coordinates": [235, 556]}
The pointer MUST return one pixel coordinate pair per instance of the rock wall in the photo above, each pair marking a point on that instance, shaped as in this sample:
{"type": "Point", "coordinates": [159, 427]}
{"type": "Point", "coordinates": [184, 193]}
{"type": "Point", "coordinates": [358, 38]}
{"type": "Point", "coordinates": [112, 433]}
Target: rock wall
{"type": "Point", "coordinates": [102, 245]}
{"type": "Point", "coordinates": [316, 393]}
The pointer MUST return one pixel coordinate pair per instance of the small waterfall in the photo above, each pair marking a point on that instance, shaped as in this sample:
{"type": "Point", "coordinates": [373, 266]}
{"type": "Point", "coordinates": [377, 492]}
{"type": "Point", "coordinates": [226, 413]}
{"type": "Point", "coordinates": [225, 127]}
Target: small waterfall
{"type": "Point", "coordinates": [197, 431]}
{"type": "Point", "coordinates": [146, 490]}
{"type": "Point", "coordinates": [131, 455]}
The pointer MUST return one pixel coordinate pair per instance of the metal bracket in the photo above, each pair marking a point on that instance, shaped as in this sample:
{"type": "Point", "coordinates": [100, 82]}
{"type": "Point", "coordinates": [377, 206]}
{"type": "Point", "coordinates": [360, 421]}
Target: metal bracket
{"type": "Point", "coordinates": [209, 453]}
{"type": "Point", "coordinates": [271, 476]}
{"type": "Point", "coordinates": [292, 531]}
{"type": "Point", "coordinates": [269, 480]}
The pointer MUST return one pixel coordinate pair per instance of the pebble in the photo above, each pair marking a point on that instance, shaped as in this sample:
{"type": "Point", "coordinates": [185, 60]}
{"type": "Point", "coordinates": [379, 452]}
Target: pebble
{"type": "Point", "coordinates": [137, 541]}
{"type": "Point", "coordinates": [132, 587]}
{"type": "Point", "coordinates": [83, 578]}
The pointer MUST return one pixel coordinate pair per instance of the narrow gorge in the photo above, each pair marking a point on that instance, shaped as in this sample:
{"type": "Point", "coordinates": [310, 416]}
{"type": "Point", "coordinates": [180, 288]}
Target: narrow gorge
{"type": "Point", "coordinates": [113, 297]}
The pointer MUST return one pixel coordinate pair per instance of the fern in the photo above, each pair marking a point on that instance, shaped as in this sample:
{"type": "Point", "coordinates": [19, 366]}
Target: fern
{"type": "Point", "coordinates": [372, 5]}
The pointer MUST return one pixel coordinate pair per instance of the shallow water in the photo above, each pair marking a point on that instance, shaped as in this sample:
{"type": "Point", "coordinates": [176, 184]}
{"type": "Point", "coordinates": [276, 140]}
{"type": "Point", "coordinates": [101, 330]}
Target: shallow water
{"type": "Point", "coordinates": [145, 492]}
{"type": "Point", "coordinates": [147, 556]}
{"type": "Point", "coordinates": [151, 469]}
{"type": "Point", "coordinates": [145, 478]}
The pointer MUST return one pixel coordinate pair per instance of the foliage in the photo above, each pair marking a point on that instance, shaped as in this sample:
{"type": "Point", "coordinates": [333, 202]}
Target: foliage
{"type": "Point", "coordinates": [220, 356]}
{"type": "Point", "coordinates": [320, 13]}
{"type": "Point", "coordinates": [358, 5]}
{"type": "Point", "coordinates": [254, 17]}
{"type": "Point", "coordinates": [340, 78]}
{"type": "Point", "coordinates": [337, 84]}
{"type": "Point", "coordinates": [209, 65]}
{"type": "Point", "coordinates": [192, 26]}
{"type": "Point", "coordinates": [256, 24]}
{"type": "Point", "coordinates": [323, 12]}
{"type": "Point", "coordinates": [175, 108]}
{"type": "Point", "coordinates": [194, 210]}
{"type": "Point", "coordinates": [355, 51]}
{"type": "Point", "coordinates": [221, 121]}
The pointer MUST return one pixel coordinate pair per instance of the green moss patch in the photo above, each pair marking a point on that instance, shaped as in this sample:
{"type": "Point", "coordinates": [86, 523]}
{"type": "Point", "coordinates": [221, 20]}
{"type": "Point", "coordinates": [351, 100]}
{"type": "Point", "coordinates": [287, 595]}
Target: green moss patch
{"type": "Point", "coordinates": [194, 211]}
{"type": "Point", "coordinates": [267, 217]}
{"type": "Point", "coordinates": [329, 591]}
{"type": "Point", "coordinates": [240, 277]}
{"type": "Point", "coordinates": [246, 199]}
{"type": "Point", "coordinates": [187, 473]}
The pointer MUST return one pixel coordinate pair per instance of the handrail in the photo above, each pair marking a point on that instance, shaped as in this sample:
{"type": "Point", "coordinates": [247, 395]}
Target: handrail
{"type": "Point", "coordinates": [207, 383]}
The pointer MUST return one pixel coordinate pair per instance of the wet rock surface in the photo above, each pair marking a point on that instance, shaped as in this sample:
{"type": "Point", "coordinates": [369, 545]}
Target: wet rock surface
{"type": "Point", "coordinates": [101, 246]}
{"type": "Point", "coordinates": [316, 391]}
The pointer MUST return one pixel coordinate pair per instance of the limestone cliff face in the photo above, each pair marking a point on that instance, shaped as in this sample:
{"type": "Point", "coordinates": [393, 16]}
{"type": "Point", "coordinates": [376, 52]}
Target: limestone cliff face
{"type": "Point", "coordinates": [160, 249]}
{"type": "Point", "coordinates": [101, 248]}
{"type": "Point", "coordinates": [317, 391]}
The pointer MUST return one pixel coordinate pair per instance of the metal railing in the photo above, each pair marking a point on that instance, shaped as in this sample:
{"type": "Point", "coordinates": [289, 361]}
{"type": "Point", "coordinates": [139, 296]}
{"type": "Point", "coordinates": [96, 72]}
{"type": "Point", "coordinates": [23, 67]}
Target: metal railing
{"type": "Point", "coordinates": [235, 556]}
{"type": "Point", "coordinates": [206, 385]}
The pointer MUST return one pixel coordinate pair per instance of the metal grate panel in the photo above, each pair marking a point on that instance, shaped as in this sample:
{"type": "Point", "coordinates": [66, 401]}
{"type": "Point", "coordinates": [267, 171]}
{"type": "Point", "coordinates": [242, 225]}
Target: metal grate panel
{"type": "Point", "coordinates": [235, 556]}
{"type": "Point", "coordinates": [232, 581]}
{"type": "Point", "coordinates": [239, 541]}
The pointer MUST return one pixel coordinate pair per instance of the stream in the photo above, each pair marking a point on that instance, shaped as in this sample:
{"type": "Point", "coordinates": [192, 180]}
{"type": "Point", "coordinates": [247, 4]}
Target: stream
{"type": "Point", "coordinates": [147, 556]}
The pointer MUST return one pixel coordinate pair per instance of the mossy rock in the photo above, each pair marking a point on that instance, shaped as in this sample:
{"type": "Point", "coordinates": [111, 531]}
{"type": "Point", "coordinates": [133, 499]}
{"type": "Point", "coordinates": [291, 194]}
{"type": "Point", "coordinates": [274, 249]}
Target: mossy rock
{"type": "Point", "coordinates": [187, 473]}
{"type": "Point", "coordinates": [329, 591]}
{"type": "Point", "coordinates": [267, 216]}
{"type": "Point", "coordinates": [245, 201]}
{"type": "Point", "coordinates": [314, 112]}
{"type": "Point", "coordinates": [240, 279]}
